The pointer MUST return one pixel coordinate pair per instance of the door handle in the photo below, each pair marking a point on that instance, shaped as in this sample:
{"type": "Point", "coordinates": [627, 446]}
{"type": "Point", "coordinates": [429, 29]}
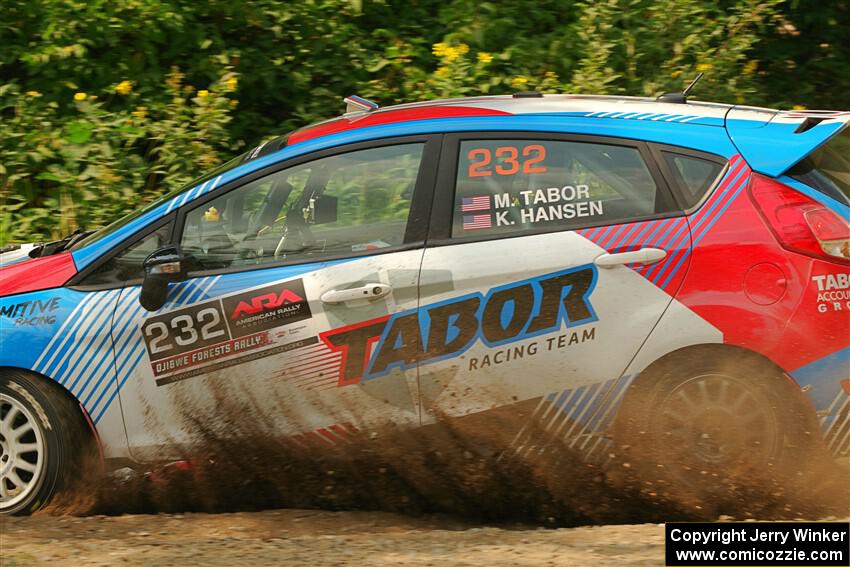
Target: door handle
{"type": "Point", "coordinates": [642, 256]}
{"type": "Point", "coordinates": [368, 292]}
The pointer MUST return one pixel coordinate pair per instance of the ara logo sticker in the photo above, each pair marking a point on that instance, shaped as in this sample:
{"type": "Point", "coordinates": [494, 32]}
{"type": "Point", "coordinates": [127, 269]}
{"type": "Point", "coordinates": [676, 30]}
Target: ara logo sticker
{"type": "Point", "coordinates": [445, 329]}
{"type": "Point", "coordinates": [268, 307]}
{"type": "Point", "coordinates": [265, 302]}
{"type": "Point", "coordinates": [226, 332]}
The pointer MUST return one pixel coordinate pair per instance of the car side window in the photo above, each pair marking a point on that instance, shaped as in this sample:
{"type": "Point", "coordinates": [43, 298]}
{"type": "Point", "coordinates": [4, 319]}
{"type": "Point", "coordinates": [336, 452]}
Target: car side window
{"type": "Point", "coordinates": [334, 206]}
{"type": "Point", "coordinates": [127, 264]}
{"type": "Point", "coordinates": [695, 175]}
{"type": "Point", "coordinates": [509, 186]}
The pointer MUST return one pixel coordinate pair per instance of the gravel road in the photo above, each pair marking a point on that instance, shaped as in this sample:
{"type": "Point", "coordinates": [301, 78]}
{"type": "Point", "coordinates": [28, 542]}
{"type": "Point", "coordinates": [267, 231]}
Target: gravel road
{"type": "Point", "coordinates": [445, 501]}
{"type": "Point", "coordinates": [315, 538]}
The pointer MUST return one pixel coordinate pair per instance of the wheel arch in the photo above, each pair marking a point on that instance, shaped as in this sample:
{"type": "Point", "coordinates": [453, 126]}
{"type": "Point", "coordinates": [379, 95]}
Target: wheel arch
{"type": "Point", "coordinates": [62, 390]}
{"type": "Point", "coordinates": [724, 353]}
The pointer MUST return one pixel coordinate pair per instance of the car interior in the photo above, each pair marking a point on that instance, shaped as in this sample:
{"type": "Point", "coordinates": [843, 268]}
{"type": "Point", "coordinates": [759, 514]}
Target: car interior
{"type": "Point", "coordinates": [294, 215]}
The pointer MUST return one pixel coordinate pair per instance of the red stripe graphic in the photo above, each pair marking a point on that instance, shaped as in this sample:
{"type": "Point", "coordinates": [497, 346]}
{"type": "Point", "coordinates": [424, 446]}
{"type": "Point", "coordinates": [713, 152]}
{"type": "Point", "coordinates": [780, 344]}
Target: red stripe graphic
{"type": "Point", "coordinates": [328, 435]}
{"type": "Point", "coordinates": [388, 117]}
{"type": "Point", "coordinates": [724, 195]}
{"type": "Point", "coordinates": [676, 235]}
{"type": "Point", "coordinates": [672, 234]}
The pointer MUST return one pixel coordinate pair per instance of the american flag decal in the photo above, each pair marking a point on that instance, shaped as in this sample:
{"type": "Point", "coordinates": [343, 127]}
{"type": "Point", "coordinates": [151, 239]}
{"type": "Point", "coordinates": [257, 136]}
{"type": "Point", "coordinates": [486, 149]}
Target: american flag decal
{"type": "Point", "coordinates": [473, 222]}
{"type": "Point", "coordinates": [477, 203]}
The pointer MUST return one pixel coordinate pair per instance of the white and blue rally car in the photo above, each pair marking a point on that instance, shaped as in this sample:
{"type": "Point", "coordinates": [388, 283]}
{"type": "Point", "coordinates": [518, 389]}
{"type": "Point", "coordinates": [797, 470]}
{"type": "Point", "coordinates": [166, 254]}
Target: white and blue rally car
{"type": "Point", "coordinates": [664, 274]}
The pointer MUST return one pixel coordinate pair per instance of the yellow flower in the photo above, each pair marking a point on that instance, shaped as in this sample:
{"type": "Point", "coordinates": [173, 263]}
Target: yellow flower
{"type": "Point", "coordinates": [80, 97]}
{"type": "Point", "coordinates": [141, 112]}
{"type": "Point", "coordinates": [675, 74]}
{"type": "Point", "coordinates": [203, 94]}
{"type": "Point", "coordinates": [519, 82]}
{"type": "Point", "coordinates": [33, 94]}
{"type": "Point", "coordinates": [439, 49]}
{"type": "Point", "coordinates": [175, 78]}
{"type": "Point", "coordinates": [799, 107]}
{"type": "Point", "coordinates": [484, 57]}
{"type": "Point", "coordinates": [231, 84]}
{"type": "Point", "coordinates": [124, 87]}
{"type": "Point", "coordinates": [703, 67]}
{"type": "Point", "coordinates": [463, 49]}
{"type": "Point", "coordinates": [751, 67]}
{"type": "Point", "coordinates": [67, 50]}
{"type": "Point", "coordinates": [442, 72]}
{"type": "Point", "coordinates": [451, 54]}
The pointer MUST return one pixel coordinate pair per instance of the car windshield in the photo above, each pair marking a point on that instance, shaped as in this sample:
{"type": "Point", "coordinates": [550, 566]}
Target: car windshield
{"type": "Point", "coordinates": [827, 169]}
{"type": "Point", "coordinates": [260, 151]}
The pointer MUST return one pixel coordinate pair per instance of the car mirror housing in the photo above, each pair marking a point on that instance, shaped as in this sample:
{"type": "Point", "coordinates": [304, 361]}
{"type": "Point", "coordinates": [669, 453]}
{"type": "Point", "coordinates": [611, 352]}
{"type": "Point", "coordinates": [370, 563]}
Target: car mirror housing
{"type": "Point", "coordinates": [163, 266]}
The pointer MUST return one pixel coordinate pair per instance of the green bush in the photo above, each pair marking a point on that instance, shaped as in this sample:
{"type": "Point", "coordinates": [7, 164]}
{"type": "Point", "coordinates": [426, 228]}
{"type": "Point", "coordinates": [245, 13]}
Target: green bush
{"type": "Point", "coordinates": [105, 105]}
{"type": "Point", "coordinates": [85, 169]}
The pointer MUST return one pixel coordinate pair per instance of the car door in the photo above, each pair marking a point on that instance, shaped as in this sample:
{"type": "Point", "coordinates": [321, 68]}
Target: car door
{"type": "Point", "coordinates": [290, 270]}
{"type": "Point", "coordinates": [84, 353]}
{"type": "Point", "coordinates": [550, 260]}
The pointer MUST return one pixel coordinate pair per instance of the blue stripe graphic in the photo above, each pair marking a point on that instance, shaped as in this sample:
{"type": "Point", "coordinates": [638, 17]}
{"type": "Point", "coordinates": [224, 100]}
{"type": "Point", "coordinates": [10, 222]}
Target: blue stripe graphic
{"type": "Point", "coordinates": [705, 230]}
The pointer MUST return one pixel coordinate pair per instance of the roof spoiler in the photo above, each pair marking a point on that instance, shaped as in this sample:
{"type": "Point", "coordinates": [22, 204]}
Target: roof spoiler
{"type": "Point", "coordinates": [772, 142]}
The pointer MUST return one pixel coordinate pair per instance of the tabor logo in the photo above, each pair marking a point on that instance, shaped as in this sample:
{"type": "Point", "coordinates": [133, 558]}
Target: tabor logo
{"type": "Point", "coordinates": [505, 314]}
{"type": "Point", "coordinates": [265, 302]}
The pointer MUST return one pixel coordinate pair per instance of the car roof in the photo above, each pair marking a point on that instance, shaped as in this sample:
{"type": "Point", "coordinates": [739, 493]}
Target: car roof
{"type": "Point", "coordinates": [575, 105]}
{"type": "Point", "coordinates": [771, 140]}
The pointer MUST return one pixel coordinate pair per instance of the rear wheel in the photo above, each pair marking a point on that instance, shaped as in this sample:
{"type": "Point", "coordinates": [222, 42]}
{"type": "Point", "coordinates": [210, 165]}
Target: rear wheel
{"type": "Point", "coordinates": [714, 419]}
{"type": "Point", "coordinates": [43, 440]}
{"type": "Point", "coordinates": [704, 432]}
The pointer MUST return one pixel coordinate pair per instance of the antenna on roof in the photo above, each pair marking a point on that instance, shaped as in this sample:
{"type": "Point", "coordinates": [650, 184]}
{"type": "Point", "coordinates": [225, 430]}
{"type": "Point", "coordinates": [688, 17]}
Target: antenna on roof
{"type": "Point", "coordinates": [682, 97]}
{"type": "Point", "coordinates": [356, 103]}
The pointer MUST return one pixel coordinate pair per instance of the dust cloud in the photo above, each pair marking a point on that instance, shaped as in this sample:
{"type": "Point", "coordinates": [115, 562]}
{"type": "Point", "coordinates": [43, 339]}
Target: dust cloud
{"type": "Point", "coordinates": [462, 467]}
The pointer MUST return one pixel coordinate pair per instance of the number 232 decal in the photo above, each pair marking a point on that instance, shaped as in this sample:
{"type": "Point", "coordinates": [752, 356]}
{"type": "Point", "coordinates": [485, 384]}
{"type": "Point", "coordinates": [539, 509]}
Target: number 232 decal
{"type": "Point", "coordinates": [192, 328]}
{"type": "Point", "coordinates": [508, 159]}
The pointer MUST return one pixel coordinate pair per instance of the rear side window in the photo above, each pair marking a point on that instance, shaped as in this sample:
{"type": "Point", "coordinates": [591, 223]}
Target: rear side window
{"type": "Point", "coordinates": [827, 169]}
{"type": "Point", "coordinates": [694, 175]}
{"type": "Point", "coordinates": [508, 186]}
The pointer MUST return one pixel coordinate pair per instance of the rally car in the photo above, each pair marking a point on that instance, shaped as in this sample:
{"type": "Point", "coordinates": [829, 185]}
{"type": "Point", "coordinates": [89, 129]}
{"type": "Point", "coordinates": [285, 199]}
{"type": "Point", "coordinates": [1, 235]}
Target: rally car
{"type": "Point", "coordinates": [611, 271]}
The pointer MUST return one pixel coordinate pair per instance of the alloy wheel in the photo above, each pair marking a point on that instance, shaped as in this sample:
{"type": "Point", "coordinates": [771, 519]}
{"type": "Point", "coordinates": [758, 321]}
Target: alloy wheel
{"type": "Point", "coordinates": [22, 452]}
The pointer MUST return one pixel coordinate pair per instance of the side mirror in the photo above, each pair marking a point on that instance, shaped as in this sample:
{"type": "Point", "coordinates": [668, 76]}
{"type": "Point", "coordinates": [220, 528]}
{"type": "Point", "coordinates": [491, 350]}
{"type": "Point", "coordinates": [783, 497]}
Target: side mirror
{"type": "Point", "coordinates": [162, 267]}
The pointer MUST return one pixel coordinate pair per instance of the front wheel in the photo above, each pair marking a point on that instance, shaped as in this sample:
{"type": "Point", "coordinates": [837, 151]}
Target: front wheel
{"type": "Point", "coordinates": [43, 440]}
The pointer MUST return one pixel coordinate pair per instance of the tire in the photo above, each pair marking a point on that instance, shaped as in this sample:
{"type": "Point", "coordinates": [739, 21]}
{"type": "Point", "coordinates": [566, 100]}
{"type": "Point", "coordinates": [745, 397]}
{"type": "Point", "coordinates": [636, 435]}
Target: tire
{"type": "Point", "coordinates": [43, 441]}
{"type": "Point", "coordinates": [703, 432]}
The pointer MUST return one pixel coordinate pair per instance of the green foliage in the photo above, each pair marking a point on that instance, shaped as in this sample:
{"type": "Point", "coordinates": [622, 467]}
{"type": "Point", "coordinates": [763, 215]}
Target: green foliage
{"type": "Point", "coordinates": [159, 80]}
{"type": "Point", "coordinates": [86, 168]}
